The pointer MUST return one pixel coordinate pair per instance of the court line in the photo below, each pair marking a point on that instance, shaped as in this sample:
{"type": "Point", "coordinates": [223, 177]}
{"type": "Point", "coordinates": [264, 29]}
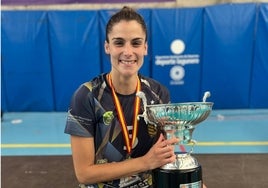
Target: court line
{"type": "Point", "coordinates": [35, 145]}
{"type": "Point", "coordinates": [246, 143]}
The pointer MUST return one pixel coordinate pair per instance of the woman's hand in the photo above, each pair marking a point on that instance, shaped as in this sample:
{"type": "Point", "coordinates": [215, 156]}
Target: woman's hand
{"type": "Point", "coordinates": [161, 153]}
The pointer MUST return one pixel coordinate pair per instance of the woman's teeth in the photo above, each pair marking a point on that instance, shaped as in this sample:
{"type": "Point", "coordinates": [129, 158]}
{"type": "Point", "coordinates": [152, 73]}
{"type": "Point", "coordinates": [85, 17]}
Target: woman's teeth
{"type": "Point", "coordinates": [128, 62]}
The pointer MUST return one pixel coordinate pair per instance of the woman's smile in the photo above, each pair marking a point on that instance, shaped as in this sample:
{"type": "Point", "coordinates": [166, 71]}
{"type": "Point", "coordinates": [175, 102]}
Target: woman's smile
{"type": "Point", "coordinates": [127, 62]}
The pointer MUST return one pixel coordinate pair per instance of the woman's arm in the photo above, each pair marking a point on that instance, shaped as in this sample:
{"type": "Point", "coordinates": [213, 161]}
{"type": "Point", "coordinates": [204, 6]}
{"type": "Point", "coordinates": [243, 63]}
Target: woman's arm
{"type": "Point", "coordinates": [87, 172]}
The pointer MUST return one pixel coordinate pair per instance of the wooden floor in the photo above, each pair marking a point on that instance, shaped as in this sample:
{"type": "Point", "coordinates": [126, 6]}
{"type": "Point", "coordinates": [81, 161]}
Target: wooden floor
{"type": "Point", "coordinates": [219, 171]}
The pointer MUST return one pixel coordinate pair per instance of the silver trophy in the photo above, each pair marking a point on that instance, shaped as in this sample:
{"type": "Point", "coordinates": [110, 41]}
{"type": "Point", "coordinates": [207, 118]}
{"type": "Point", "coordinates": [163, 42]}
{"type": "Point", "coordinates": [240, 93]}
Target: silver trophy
{"type": "Point", "coordinates": [178, 120]}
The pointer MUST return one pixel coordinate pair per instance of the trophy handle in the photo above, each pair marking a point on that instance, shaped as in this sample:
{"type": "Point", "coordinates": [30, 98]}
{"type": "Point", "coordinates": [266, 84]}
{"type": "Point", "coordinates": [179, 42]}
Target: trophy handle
{"type": "Point", "coordinates": [193, 142]}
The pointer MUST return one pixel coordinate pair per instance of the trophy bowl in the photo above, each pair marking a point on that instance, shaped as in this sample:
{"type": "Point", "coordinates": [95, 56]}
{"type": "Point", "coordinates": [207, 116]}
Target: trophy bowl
{"type": "Point", "coordinates": [178, 119]}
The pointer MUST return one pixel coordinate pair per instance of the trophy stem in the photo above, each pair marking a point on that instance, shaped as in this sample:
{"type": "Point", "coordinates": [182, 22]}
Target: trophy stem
{"type": "Point", "coordinates": [183, 133]}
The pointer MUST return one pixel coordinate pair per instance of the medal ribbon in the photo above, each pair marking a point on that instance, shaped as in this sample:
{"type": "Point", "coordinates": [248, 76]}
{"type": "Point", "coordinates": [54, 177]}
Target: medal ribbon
{"type": "Point", "coordinates": [129, 142]}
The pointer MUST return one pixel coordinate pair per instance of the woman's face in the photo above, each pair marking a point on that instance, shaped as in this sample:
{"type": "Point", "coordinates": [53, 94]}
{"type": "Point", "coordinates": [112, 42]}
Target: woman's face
{"type": "Point", "coordinates": [127, 47]}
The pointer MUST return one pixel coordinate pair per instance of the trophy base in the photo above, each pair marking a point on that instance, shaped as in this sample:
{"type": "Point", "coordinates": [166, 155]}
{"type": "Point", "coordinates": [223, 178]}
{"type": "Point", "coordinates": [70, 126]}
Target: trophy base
{"type": "Point", "coordinates": [190, 178]}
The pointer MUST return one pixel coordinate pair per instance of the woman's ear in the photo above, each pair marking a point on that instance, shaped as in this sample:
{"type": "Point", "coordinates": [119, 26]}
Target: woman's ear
{"type": "Point", "coordinates": [106, 47]}
{"type": "Point", "coordinates": [146, 48]}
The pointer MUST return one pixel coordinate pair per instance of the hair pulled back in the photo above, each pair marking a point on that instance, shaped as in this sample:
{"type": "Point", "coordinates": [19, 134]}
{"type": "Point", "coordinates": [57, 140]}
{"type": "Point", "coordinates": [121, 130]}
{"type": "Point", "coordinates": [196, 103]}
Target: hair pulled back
{"type": "Point", "coordinates": [127, 14]}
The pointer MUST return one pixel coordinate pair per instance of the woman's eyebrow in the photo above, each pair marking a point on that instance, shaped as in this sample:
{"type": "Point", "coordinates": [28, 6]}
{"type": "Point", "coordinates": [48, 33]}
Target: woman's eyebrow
{"type": "Point", "coordinates": [138, 38]}
{"type": "Point", "coordinates": [117, 38]}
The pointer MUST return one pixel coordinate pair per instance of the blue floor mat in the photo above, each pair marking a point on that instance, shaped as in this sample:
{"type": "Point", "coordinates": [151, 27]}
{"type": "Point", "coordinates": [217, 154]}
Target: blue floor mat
{"type": "Point", "coordinates": [225, 131]}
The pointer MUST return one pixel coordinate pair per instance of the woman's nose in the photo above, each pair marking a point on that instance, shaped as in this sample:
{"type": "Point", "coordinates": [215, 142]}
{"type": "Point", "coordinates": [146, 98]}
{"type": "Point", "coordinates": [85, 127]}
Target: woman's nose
{"type": "Point", "coordinates": [127, 49]}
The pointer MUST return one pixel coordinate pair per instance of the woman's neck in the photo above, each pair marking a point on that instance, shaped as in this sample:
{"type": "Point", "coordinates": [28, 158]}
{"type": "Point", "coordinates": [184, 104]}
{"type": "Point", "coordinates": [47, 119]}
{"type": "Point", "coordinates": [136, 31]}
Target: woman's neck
{"type": "Point", "coordinates": [124, 85]}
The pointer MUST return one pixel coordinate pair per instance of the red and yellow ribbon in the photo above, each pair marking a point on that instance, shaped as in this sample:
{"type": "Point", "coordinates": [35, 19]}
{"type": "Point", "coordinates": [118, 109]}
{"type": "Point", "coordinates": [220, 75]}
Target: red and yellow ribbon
{"type": "Point", "coordinates": [129, 142]}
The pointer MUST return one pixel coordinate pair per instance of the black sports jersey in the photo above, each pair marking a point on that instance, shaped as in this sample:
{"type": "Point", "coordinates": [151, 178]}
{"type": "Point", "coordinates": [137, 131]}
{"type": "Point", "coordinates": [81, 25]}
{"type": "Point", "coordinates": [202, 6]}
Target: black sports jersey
{"type": "Point", "coordinates": [92, 113]}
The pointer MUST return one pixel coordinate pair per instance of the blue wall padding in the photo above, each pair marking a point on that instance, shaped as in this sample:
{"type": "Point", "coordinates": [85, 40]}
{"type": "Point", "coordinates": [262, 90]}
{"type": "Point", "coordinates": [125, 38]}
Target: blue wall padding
{"type": "Point", "coordinates": [104, 17]}
{"type": "Point", "coordinates": [75, 54]}
{"type": "Point", "coordinates": [223, 48]}
{"type": "Point", "coordinates": [228, 53]}
{"type": "Point", "coordinates": [259, 89]}
{"type": "Point", "coordinates": [3, 90]}
{"type": "Point", "coordinates": [26, 69]}
{"type": "Point", "coordinates": [167, 26]}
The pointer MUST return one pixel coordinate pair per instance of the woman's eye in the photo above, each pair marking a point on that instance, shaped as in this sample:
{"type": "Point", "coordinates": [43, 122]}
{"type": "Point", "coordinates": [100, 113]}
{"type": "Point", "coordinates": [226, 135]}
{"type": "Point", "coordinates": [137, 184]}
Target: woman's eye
{"type": "Point", "coordinates": [136, 44]}
{"type": "Point", "coordinates": [118, 43]}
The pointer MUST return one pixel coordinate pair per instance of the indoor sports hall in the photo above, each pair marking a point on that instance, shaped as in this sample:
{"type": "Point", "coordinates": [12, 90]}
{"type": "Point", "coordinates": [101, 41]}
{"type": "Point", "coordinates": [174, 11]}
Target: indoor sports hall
{"type": "Point", "coordinates": [50, 47]}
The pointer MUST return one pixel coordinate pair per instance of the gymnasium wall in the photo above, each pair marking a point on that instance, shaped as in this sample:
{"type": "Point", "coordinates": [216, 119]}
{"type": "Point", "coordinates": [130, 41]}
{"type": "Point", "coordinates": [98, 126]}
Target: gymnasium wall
{"type": "Point", "coordinates": [47, 54]}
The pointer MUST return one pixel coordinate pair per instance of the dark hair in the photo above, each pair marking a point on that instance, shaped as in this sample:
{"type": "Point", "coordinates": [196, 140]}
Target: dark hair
{"type": "Point", "coordinates": [128, 14]}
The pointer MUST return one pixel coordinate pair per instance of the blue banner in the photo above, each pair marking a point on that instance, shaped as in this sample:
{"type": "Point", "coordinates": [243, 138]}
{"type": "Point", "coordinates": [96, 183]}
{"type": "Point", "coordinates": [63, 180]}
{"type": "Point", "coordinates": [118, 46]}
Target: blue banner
{"type": "Point", "coordinates": [75, 54]}
{"type": "Point", "coordinates": [228, 53]}
{"type": "Point", "coordinates": [46, 55]}
{"type": "Point", "coordinates": [259, 89]}
{"type": "Point", "coordinates": [26, 70]}
{"type": "Point", "coordinates": [176, 50]}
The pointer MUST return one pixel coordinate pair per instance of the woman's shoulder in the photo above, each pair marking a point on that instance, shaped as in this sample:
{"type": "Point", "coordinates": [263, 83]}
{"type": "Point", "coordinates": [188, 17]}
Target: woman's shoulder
{"type": "Point", "coordinates": [152, 83]}
{"type": "Point", "coordinates": [154, 89]}
{"type": "Point", "coordinates": [87, 88]}
{"type": "Point", "coordinates": [93, 84]}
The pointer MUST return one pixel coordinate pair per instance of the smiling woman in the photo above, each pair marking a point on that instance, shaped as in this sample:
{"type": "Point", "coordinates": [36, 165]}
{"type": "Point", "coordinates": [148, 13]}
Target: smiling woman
{"type": "Point", "coordinates": [126, 43]}
{"type": "Point", "coordinates": [127, 46]}
{"type": "Point", "coordinates": [115, 153]}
